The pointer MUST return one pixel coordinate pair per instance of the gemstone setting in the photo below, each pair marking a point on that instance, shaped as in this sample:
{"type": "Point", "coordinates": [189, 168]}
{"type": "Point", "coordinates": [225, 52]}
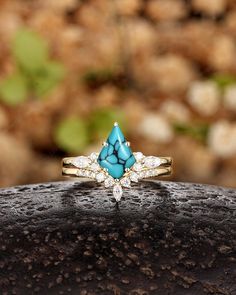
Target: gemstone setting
{"type": "Point", "coordinates": [116, 166]}
{"type": "Point", "coordinates": [117, 192]}
{"type": "Point", "coordinates": [81, 162]}
{"type": "Point", "coordinates": [100, 177]}
{"type": "Point", "coordinates": [109, 181]}
{"type": "Point", "coordinates": [116, 156]}
{"type": "Point", "coordinates": [125, 181]}
{"type": "Point", "coordinates": [152, 162]}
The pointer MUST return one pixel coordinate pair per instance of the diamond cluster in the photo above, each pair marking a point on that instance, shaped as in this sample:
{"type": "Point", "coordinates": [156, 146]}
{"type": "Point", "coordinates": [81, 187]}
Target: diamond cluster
{"type": "Point", "coordinates": [144, 167]}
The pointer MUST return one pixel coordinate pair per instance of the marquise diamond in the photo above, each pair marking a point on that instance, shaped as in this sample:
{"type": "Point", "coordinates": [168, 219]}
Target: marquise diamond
{"type": "Point", "coordinates": [81, 162]}
{"type": "Point", "coordinates": [117, 192]}
{"type": "Point", "coordinates": [152, 162]}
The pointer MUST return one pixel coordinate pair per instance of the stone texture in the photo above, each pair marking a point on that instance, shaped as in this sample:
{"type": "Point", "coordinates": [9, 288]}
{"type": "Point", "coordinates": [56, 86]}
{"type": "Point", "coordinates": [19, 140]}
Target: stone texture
{"type": "Point", "coordinates": [163, 238]}
{"type": "Point", "coordinates": [116, 156]}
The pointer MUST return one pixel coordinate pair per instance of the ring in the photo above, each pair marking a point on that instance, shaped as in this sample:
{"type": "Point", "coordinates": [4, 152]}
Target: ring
{"type": "Point", "coordinates": [116, 165]}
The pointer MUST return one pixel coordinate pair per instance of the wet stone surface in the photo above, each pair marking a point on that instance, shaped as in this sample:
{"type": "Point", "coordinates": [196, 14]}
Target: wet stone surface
{"type": "Point", "coordinates": [71, 238]}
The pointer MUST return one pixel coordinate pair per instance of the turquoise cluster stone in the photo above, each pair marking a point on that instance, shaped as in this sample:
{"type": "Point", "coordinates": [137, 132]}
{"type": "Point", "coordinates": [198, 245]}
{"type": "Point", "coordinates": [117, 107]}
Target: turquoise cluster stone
{"type": "Point", "coordinates": [116, 156]}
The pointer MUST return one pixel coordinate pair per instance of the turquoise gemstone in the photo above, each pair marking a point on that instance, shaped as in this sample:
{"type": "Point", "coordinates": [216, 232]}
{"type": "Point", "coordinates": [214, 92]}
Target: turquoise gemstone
{"type": "Point", "coordinates": [116, 156]}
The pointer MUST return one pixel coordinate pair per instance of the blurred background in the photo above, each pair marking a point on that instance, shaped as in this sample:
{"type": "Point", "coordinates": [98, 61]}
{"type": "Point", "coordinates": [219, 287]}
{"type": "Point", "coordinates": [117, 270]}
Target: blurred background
{"type": "Point", "coordinates": [164, 69]}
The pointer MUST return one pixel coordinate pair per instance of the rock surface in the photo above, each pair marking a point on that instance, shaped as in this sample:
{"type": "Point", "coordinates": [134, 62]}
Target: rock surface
{"type": "Point", "coordinates": [163, 238]}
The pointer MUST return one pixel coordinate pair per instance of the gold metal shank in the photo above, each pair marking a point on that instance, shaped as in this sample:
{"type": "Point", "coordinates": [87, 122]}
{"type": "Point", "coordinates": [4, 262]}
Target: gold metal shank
{"type": "Point", "coordinates": [165, 161]}
{"type": "Point", "coordinates": [74, 172]}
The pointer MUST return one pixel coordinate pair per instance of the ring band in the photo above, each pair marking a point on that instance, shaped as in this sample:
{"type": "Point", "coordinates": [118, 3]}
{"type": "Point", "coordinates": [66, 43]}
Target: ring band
{"type": "Point", "coordinates": [116, 166]}
{"type": "Point", "coordinates": [75, 172]}
{"type": "Point", "coordinates": [164, 161]}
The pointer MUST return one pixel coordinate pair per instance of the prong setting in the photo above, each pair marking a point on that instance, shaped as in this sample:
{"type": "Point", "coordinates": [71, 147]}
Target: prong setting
{"type": "Point", "coordinates": [145, 167]}
{"type": "Point", "coordinates": [105, 170]}
{"type": "Point", "coordinates": [116, 165]}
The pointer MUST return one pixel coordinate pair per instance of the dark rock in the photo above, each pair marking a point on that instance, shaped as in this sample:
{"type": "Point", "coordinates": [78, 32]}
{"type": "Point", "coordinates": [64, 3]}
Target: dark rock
{"type": "Point", "coordinates": [163, 238]}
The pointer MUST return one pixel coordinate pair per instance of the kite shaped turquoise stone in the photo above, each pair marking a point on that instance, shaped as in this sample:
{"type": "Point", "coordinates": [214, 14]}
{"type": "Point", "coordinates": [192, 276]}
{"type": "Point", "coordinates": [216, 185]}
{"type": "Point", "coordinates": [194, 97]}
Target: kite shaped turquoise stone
{"type": "Point", "coordinates": [116, 155]}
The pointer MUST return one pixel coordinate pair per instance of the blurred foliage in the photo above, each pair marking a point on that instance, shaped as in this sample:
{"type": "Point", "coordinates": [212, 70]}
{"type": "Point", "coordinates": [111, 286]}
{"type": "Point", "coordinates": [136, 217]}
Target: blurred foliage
{"type": "Point", "coordinates": [73, 134]}
{"type": "Point", "coordinates": [35, 73]}
{"type": "Point", "coordinates": [29, 50]}
{"type": "Point", "coordinates": [14, 89]}
{"type": "Point", "coordinates": [102, 121]}
{"type": "Point", "coordinates": [197, 131]}
{"type": "Point", "coordinates": [224, 80]}
{"type": "Point", "coordinates": [47, 78]}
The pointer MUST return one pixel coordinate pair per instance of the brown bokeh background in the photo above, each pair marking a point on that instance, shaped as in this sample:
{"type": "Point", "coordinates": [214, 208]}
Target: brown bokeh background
{"type": "Point", "coordinates": [165, 68]}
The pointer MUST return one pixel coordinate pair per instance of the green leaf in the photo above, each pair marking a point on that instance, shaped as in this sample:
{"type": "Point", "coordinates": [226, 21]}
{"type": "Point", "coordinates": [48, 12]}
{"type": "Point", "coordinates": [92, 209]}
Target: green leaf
{"type": "Point", "coordinates": [47, 78]}
{"type": "Point", "coordinates": [14, 89]}
{"type": "Point", "coordinates": [30, 50]}
{"type": "Point", "coordinates": [224, 80]}
{"type": "Point", "coordinates": [102, 121]}
{"type": "Point", "coordinates": [198, 131]}
{"type": "Point", "coordinates": [71, 135]}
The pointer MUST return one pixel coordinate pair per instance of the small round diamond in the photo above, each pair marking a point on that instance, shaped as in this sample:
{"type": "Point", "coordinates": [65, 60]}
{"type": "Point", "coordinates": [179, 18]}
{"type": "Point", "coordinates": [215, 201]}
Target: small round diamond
{"type": "Point", "coordinates": [150, 173]}
{"type": "Point", "coordinates": [134, 177]}
{"type": "Point", "coordinates": [93, 156]}
{"type": "Point", "coordinates": [81, 162]}
{"type": "Point", "coordinates": [138, 156]}
{"type": "Point", "coordinates": [137, 167]}
{"type": "Point", "coordinates": [100, 177]}
{"type": "Point", "coordinates": [79, 173]}
{"type": "Point", "coordinates": [125, 182]}
{"type": "Point", "coordinates": [152, 162]}
{"type": "Point", "coordinates": [142, 174]}
{"type": "Point", "coordinates": [92, 175]}
{"type": "Point", "coordinates": [109, 182]}
{"type": "Point", "coordinates": [89, 174]}
{"type": "Point", "coordinates": [94, 167]}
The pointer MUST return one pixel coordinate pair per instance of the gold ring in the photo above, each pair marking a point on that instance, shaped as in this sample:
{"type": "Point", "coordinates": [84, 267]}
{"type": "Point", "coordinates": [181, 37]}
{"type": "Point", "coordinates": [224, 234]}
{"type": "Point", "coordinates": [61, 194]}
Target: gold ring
{"type": "Point", "coordinates": [116, 165]}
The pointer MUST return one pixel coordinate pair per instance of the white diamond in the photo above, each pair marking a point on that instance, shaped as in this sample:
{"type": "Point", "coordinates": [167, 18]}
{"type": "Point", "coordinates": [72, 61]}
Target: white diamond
{"type": "Point", "coordinates": [79, 173]}
{"type": "Point", "coordinates": [134, 177]}
{"type": "Point", "coordinates": [93, 156]}
{"type": "Point", "coordinates": [142, 174]}
{"type": "Point", "coordinates": [138, 156]}
{"type": "Point", "coordinates": [109, 182]}
{"type": "Point", "coordinates": [151, 173]}
{"type": "Point", "coordinates": [81, 162]}
{"type": "Point", "coordinates": [92, 175]}
{"type": "Point", "coordinates": [87, 173]}
{"type": "Point", "coordinates": [95, 167]}
{"type": "Point", "coordinates": [100, 177]}
{"type": "Point", "coordinates": [152, 162]}
{"type": "Point", "coordinates": [117, 192]}
{"type": "Point", "coordinates": [125, 182]}
{"type": "Point", "coordinates": [154, 173]}
{"type": "Point", "coordinates": [137, 167]}
{"type": "Point", "coordinates": [82, 173]}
